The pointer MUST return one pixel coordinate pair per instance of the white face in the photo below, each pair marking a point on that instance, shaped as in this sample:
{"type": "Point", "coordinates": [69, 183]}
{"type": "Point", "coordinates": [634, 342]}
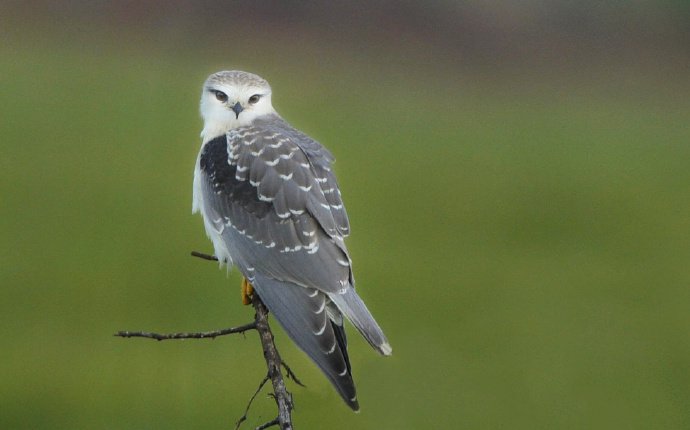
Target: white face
{"type": "Point", "coordinates": [225, 106]}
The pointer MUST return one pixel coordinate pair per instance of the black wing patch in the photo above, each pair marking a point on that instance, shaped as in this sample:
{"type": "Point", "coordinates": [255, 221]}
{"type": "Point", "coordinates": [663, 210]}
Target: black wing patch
{"type": "Point", "coordinates": [222, 176]}
{"type": "Point", "coordinates": [274, 169]}
{"type": "Point", "coordinates": [263, 183]}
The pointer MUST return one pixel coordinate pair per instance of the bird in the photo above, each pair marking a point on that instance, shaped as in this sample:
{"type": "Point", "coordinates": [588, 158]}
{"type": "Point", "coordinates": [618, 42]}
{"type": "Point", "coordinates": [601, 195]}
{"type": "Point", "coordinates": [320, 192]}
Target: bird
{"type": "Point", "coordinates": [272, 208]}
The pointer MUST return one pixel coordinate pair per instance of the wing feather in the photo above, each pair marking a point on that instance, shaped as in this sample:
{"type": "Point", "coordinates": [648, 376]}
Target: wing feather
{"type": "Point", "coordinates": [271, 205]}
{"type": "Point", "coordinates": [274, 168]}
{"type": "Point", "coordinates": [305, 319]}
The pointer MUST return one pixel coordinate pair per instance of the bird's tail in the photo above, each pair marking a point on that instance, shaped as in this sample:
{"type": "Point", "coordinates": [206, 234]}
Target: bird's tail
{"type": "Point", "coordinates": [356, 311]}
{"type": "Point", "coordinates": [304, 314]}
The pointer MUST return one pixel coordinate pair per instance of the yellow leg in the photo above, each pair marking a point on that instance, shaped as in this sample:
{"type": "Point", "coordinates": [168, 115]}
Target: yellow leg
{"type": "Point", "coordinates": [247, 292]}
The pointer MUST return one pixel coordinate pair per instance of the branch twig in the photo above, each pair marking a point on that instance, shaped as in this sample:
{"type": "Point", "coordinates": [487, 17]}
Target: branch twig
{"type": "Point", "coordinates": [198, 335]}
{"type": "Point", "coordinates": [291, 375]}
{"type": "Point", "coordinates": [249, 405]}
{"type": "Point", "coordinates": [274, 363]}
{"type": "Point", "coordinates": [204, 256]}
{"type": "Point", "coordinates": [273, 422]}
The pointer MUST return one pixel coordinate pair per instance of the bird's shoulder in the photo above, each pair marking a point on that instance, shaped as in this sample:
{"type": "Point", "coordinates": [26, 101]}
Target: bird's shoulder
{"type": "Point", "coordinates": [274, 131]}
{"type": "Point", "coordinates": [271, 165]}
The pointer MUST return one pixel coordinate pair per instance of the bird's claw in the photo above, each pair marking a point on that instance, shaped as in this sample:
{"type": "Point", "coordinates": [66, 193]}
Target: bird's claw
{"type": "Point", "coordinates": [247, 292]}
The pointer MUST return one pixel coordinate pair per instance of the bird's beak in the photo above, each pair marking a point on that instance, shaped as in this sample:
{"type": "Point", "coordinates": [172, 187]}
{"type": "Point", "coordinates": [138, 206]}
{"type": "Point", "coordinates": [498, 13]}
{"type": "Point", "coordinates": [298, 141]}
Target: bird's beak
{"type": "Point", "coordinates": [237, 109]}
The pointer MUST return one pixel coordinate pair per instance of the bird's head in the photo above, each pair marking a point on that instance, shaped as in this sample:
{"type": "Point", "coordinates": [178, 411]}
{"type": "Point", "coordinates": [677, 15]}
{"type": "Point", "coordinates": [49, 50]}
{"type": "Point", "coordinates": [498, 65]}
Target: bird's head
{"type": "Point", "coordinates": [232, 99]}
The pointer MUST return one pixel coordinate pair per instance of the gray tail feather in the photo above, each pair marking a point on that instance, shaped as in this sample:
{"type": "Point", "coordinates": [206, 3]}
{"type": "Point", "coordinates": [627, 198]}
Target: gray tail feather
{"type": "Point", "coordinates": [306, 321]}
{"type": "Point", "coordinates": [356, 311]}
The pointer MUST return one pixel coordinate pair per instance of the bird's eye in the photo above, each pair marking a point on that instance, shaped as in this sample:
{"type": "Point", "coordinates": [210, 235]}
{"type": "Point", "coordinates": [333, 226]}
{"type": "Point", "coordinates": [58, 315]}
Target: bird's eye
{"type": "Point", "coordinates": [221, 96]}
{"type": "Point", "coordinates": [255, 98]}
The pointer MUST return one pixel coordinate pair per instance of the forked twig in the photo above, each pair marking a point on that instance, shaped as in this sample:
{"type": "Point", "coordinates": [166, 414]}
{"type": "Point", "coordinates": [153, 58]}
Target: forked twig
{"type": "Point", "coordinates": [273, 422]}
{"type": "Point", "coordinates": [274, 363]}
{"type": "Point", "coordinates": [249, 405]}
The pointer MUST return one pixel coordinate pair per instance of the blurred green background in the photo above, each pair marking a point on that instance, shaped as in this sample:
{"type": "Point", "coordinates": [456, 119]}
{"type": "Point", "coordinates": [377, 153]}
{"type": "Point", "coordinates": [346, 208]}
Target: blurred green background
{"type": "Point", "coordinates": [516, 174]}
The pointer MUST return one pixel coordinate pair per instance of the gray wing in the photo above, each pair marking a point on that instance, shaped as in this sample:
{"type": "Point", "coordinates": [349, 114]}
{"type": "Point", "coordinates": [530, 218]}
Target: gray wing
{"type": "Point", "coordinates": [261, 184]}
{"type": "Point", "coordinates": [304, 313]}
{"type": "Point", "coordinates": [270, 195]}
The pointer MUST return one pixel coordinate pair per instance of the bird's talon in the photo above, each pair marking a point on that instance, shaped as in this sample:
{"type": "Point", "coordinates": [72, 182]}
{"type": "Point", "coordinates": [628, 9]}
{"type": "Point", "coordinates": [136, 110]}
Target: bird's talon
{"type": "Point", "coordinates": [247, 292]}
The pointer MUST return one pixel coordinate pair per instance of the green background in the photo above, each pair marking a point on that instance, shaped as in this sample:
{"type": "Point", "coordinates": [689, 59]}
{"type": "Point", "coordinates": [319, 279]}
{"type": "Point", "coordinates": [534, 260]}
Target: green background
{"type": "Point", "coordinates": [520, 222]}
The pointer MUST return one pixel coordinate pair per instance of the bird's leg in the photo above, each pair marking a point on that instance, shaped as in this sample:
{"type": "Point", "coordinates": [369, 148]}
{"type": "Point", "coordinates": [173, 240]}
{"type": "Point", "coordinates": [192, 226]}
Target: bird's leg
{"type": "Point", "coordinates": [247, 292]}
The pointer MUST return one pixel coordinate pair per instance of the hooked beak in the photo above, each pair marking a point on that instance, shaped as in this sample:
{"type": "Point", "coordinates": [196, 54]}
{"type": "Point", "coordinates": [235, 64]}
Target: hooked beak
{"type": "Point", "coordinates": [237, 109]}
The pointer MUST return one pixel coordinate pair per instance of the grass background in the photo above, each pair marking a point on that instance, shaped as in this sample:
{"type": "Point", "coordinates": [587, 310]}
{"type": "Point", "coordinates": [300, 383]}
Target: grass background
{"type": "Point", "coordinates": [522, 235]}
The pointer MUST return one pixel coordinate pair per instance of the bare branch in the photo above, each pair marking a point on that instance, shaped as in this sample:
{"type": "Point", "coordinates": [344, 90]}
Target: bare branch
{"type": "Point", "coordinates": [199, 335]}
{"type": "Point", "coordinates": [271, 423]}
{"type": "Point", "coordinates": [249, 405]}
{"type": "Point", "coordinates": [290, 374]}
{"type": "Point", "coordinates": [204, 256]}
{"type": "Point", "coordinates": [273, 362]}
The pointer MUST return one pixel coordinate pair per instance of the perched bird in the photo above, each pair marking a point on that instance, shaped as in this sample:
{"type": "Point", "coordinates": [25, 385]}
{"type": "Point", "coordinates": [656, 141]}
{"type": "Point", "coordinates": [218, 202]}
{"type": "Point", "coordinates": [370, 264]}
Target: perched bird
{"type": "Point", "coordinates": [272, 208]}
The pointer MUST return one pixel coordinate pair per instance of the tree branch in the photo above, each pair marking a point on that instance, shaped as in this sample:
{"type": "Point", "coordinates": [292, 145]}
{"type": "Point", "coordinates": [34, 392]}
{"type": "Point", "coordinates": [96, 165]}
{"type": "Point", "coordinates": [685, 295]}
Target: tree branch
{"type": "Point", "coordinates": [290, 374]}
{"type": "Point", "coordinates": [249, 405]}
{"type": "Point", "coordinates": [274, 363]}
{"type": "Point", "coordinates": [204, 256]}
{"type": "Point", "coordinates": [273, 422]}
{"type": "Point", "coordinates": [198, 335]}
